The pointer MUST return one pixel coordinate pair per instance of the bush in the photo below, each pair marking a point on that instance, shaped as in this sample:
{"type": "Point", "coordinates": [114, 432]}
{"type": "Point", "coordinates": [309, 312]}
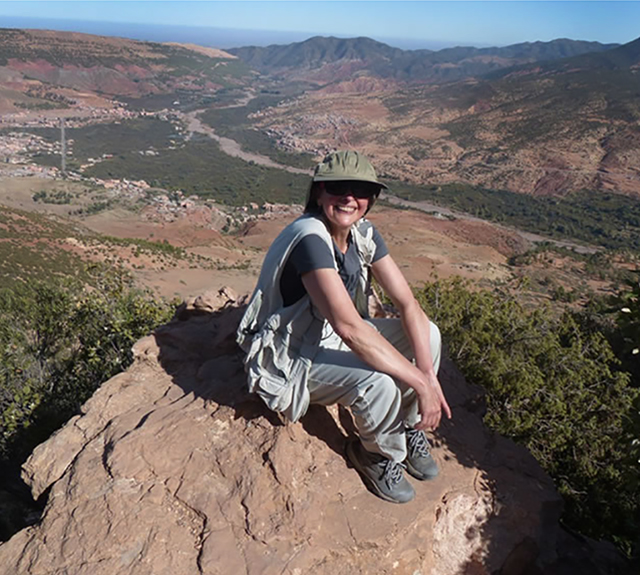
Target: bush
{"type": "Point", "coordinates": [555, 387]}
{"type": "Point", "coordinates": [56, 197]}
{"type": "Point", "coordinates": [59, 340]}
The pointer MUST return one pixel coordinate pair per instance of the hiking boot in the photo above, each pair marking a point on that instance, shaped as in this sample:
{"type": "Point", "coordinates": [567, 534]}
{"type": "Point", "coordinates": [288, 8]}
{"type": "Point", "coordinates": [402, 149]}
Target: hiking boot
{"type": "Point", "coordinates": [382, 476]}
{"type": "Point", "coordinates": [419, 462]}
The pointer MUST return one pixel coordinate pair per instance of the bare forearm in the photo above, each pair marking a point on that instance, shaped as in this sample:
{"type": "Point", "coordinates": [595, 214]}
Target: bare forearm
{"type": "Point", "coordinates": [414, 321]}
{"type": "Point", "coordinates": [328, 294]}
{"type": "Point", "coordinates": [375, 350]}
{"type": "Point", "coordinates": [417, 327]}
{"type": "Point", "coordinates": [372, 348]}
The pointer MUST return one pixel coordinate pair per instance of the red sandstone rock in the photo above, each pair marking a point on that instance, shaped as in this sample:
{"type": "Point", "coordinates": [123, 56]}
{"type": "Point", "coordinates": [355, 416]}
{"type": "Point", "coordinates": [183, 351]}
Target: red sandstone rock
{"type": "Point", "coordinates": [171, 468]}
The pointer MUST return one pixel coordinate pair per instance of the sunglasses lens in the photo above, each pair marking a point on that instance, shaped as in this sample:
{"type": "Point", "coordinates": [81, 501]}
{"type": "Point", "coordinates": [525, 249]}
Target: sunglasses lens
{"type": "Point", "coordinates": [358, 190]}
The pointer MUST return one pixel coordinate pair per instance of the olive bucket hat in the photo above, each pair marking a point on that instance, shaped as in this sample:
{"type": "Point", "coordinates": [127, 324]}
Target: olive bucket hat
{"type": "Point", "coordinates": [343, 165]}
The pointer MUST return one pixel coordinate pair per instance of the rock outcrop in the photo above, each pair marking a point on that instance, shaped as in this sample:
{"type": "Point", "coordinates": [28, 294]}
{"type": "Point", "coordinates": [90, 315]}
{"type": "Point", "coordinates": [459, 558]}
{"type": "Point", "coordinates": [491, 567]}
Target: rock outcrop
{"type": "Point", "coordinates": [172, 468]}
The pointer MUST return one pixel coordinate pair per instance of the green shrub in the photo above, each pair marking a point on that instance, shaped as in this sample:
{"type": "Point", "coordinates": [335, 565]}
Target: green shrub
{"type": "Point", "coordinates": [56, 197]}
{"type": "Point", "coordinates": [555, 387]}
{"type": "Point", "coordinates": [59, 340]}
{"type": "Point", "coordinates": [201, 168]}
{"type": "Point", "coordinates": [603, 219]}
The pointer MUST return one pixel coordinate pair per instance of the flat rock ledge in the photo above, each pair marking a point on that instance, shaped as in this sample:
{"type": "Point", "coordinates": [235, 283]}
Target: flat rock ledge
{"type": "Point", "coordinates": [172, 468]}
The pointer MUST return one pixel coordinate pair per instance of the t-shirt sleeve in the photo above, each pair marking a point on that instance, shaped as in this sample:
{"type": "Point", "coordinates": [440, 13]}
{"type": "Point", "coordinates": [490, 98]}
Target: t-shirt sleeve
{"type": "Point", "coordinates": [381, 247]}
{"type": "Point", "coordinates": [311, 253]}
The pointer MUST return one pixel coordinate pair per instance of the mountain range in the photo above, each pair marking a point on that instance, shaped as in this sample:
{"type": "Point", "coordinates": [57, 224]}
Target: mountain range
{"type": "Point", "coordinates": [158, 140]}
{"type": "Point", "coordinates": [540, 118]}
{"type": "Point", "coordinates": [311, 58]}
{"type": "Point", "coordinates": [36, 64]}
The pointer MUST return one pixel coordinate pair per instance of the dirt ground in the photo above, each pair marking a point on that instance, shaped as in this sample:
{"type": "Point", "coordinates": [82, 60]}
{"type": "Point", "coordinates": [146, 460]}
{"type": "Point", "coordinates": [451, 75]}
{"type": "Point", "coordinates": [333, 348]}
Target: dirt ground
{"type": "Point", "coordinates": [425, 246]}
{"type": "Point", "coordinates": [421, 244]}
{"type": "Point", "coordinates": [18, 193]}
{"type": "Point", "coordinates": [417, 242]}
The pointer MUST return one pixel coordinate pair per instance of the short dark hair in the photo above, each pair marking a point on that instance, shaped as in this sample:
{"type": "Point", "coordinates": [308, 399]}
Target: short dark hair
{"type": "Point", "coordinates": [312, 206]}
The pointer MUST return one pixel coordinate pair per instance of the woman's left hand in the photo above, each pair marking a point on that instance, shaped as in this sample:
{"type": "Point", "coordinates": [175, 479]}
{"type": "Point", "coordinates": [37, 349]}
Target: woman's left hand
{"type": "Point", "coordinates": [431, 404]}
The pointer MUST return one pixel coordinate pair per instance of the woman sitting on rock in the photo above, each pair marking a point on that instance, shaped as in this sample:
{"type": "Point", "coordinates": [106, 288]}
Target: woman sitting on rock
{"type": "Point", "coordinates": [308, 338]}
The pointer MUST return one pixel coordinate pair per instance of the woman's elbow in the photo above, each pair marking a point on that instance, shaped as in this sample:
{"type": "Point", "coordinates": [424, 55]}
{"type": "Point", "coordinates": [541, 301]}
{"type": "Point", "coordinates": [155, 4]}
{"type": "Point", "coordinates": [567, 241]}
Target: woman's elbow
{"type": "Point", "coordinates": [409, 307]}
{"type": "Point", "coordinates": [349, 332]}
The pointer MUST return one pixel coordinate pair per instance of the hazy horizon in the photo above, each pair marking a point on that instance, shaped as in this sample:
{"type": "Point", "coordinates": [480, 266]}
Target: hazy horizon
{"type": "Point", "coordinates": [408, 25]}
{"type": "Point", "coordinates": [223, 38]}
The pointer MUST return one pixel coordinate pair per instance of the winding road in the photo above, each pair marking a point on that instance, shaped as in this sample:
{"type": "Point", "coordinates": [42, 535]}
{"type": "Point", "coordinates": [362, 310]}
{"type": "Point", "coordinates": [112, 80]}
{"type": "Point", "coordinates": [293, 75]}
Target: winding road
{"type": "Point", "coordinates": [424, 206]}
{"type": "Point", "coordinates": [231, 147]}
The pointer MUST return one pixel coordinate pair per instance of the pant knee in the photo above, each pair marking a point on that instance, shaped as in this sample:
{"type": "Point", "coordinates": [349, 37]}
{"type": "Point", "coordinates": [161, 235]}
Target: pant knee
{"type": "Point", "coordinates": [381, 389]}
{"type": "Point", "coordinates": [378, 400]}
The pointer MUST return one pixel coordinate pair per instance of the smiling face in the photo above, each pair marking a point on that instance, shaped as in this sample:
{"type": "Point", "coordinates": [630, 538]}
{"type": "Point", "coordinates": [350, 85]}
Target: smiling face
{"type": "Point", "coordinates": [341, 211]}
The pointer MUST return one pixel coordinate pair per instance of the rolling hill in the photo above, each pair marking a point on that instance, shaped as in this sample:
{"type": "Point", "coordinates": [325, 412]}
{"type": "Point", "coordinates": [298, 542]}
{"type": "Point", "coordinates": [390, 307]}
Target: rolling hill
{"type": "Point", "coordinates": [42, 69]}
{"type": "Point", "coordinates": [548, 127]}
{"type": "Point", "coordinates": [545, 118]}
{"type": "Point", "coordinates": [314, 58]}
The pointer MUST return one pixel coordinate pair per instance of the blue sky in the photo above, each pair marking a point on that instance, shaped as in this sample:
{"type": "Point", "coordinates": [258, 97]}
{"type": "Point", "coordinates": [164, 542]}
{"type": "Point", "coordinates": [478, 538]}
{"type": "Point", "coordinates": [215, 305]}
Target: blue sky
{"type": "Point", "coordinates": [418, 23]}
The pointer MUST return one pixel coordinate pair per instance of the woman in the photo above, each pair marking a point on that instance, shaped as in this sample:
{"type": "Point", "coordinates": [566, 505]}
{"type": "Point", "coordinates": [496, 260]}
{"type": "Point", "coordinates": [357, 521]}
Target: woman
{"type": "Point", "coordinates": [308, 338]}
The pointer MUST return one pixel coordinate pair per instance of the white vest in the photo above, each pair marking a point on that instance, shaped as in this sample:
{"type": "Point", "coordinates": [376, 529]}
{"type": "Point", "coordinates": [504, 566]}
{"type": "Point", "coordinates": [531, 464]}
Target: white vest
{"type": "Point", "coordinates": [281, 342]}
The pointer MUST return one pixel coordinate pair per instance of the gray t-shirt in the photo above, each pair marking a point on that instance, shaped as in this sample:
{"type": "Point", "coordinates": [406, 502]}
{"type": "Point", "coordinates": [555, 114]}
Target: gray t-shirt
{"type": "Point", "coordinates": [312, 253]}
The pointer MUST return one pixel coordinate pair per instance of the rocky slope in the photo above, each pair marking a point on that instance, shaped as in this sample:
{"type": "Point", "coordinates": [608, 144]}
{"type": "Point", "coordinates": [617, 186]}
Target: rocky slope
{"type": "Point", "coordinates": [44, 69]}
{"type": "Point", "coordinates": [541, 118]}
{"type": "Point", "coordinates": [546, 128]}
{"type": "Point", "coordinates": [172, 468]}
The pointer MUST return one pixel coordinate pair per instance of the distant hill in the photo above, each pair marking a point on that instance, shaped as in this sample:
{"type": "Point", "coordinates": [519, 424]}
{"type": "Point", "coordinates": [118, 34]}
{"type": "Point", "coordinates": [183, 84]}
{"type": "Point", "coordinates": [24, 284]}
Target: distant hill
{"type": "Point", "coordinates": [619, 58]}
{"type": "Point", "coordinates": [551, 127]}
{"type": "Point", "coordinates": [315, 52]}
{"type": "Point", "coordinates": [364, 56]}
{"type": "Point", "coordinates": [545, 127]}
{"type": "Point", "coordinates": [578, 117]}
{"type": "Point", "coordinates": [541, 118]}
{"type": "Point", "coordinates": [36, 64]}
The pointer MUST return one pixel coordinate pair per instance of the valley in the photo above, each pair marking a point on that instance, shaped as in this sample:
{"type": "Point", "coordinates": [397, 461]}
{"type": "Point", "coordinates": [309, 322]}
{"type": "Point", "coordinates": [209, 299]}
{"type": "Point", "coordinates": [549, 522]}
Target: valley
{"type": "Point", "coordinates": [119, 157]}
{"type": "Point", "coordinates": [514, 185]}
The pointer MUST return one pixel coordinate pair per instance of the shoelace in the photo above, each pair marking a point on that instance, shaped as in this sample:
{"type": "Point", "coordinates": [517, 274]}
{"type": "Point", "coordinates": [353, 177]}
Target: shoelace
{"type": "Point", "coordinates": [393, 472]}
{"type": "Point", "coordinates": [417, 443]}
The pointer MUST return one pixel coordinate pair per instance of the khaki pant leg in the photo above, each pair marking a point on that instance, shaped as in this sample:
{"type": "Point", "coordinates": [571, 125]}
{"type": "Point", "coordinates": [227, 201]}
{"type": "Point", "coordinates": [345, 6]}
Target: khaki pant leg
{"type": "Point", "coordinates": [380, 405]}
{"type": "Point", "coordinates": [339, 376]}
{"type": "Point", "coordinates": [392, 330]}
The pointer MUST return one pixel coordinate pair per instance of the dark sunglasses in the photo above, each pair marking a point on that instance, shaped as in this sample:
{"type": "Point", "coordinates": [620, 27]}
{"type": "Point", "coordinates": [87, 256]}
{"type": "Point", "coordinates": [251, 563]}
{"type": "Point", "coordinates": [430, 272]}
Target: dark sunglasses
{"type": "Point", "coordinates": [360, 190]}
